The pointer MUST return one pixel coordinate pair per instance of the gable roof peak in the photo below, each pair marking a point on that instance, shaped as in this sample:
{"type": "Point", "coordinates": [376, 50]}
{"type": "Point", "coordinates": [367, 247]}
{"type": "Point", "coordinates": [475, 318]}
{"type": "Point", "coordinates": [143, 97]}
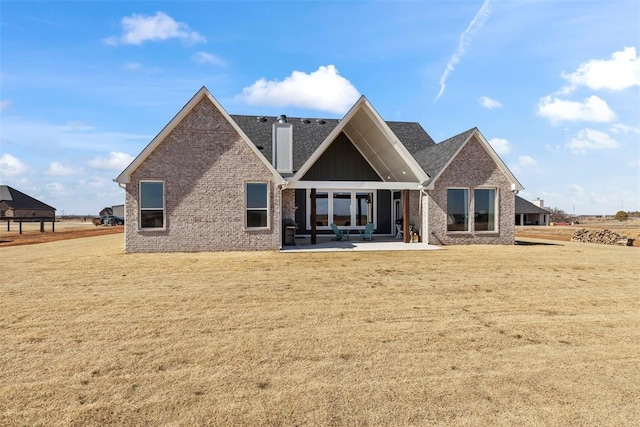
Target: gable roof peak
{"type": "Point", "coordinates": [203, 92]}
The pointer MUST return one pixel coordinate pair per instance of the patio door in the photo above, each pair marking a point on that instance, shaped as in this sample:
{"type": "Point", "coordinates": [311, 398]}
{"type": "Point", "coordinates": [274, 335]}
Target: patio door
{"type": "Point", "coordinates": [397, 207]}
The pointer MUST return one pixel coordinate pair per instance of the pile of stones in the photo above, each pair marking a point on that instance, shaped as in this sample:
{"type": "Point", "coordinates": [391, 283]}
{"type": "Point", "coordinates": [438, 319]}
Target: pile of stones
{"type": "Point", "coordinates": [603, 237]}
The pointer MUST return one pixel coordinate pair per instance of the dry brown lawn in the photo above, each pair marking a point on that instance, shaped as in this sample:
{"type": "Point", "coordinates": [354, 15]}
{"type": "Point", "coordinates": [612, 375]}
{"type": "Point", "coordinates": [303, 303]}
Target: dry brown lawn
{"type": "Point", "coordinates": [478, 335]}
{"type": "Point", "coordinates": [69, 229]}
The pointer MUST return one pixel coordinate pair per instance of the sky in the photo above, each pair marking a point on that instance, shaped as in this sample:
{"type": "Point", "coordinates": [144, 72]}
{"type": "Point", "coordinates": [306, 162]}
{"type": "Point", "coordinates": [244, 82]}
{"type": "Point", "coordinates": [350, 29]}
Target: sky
{"type": "Point", "coordinates": [554, 86]}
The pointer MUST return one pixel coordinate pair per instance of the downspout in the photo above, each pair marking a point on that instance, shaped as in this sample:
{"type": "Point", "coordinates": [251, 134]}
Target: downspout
{"type": "Point", "coordinates": [424, 218]}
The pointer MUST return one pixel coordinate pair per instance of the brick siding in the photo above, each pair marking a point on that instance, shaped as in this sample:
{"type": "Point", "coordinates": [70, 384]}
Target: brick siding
{"type": "Point", "coordinates": [204, 164]}
{"type": "Point", "coordinates": [472, 168]}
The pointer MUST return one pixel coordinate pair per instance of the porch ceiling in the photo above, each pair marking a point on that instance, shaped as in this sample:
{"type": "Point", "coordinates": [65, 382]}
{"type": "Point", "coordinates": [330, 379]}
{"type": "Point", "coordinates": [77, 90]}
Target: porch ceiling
{"type": "Point", "coordinates": [380, 148]}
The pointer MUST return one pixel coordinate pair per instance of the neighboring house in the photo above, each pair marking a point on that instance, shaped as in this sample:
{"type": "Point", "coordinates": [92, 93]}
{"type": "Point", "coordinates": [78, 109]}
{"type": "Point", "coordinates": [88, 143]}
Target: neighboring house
{"type": "Point", "coordinates": [117, 210]}
{"type": "Point", "coordinates": [211, 181]}
{"type": "Point", "coordinates": [17, 205]}
{"type": "Point", "coordinates": [528, 213]}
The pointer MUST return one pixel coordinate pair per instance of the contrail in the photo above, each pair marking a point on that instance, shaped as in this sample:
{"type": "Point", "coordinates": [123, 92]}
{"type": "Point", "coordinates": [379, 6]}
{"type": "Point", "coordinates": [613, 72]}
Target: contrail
{"type": "Point", "coordinates": [476, 23]}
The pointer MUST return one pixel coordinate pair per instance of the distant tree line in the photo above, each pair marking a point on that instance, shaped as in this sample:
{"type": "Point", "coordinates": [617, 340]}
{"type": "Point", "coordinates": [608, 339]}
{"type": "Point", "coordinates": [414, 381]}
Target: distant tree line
{"type": "Point", "coordinates": [558, 215]}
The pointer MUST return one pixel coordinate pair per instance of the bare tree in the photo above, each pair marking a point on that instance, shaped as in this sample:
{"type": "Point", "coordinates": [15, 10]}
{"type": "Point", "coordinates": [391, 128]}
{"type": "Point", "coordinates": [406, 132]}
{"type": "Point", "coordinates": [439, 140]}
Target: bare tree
{"type": "Point", "coordinates": [558, 215]}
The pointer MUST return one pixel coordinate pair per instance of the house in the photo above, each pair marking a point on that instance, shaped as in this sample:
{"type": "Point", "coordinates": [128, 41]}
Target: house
{"type": "Point", "coordinates": [19, 206]}
{"type": "Point", "coordinates": [528, 213]}
{"type": "Point", "coordinates": [212, 181]}
{"type": "Point", "coordinates": [117, 210]}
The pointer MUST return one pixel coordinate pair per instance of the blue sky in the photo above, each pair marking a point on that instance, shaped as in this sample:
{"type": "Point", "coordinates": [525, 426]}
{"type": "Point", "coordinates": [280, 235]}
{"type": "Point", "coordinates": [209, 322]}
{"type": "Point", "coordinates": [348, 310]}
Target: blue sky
{"type": "Point", "coordinates": [553, 85]}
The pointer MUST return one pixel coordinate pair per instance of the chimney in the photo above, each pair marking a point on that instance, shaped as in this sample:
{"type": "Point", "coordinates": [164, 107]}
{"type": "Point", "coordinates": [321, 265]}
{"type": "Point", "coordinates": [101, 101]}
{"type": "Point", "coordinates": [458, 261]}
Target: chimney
{"type": "Point", "coordinates": [283, 145]}
{"type": "Point", "coordinates": [539, 203]}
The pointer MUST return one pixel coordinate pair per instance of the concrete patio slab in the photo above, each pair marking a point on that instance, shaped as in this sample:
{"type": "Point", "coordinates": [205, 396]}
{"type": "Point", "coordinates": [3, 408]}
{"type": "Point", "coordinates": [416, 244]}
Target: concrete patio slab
{"type": "Point", "coordinates": [325, 244]}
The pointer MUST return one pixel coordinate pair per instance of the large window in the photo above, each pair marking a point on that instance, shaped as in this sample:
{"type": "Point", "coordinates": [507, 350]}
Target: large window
{"type": "Point", "coordinates": [342, 209]}
{"type": "Point", "coordinates": [457, 209]}
{"type": "Point", "coordinates": [347, 209]}
{"type": "Point", "coordinates": [257, 204]}
{"type": "Point", "coordinates": [484, 202]}
{"type": "Point", "coordinates": [364, 208]}
{"type": "Point", "coordinates": [152, 204]}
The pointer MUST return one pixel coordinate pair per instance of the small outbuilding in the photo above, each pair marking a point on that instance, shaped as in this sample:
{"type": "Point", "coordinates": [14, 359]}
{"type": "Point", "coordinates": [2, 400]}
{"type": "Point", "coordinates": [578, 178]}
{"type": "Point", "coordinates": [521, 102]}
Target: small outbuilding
{"type": "Point", "coordinates": [16, 205]}
{"type": "Point", "coordinates": [528, 213]}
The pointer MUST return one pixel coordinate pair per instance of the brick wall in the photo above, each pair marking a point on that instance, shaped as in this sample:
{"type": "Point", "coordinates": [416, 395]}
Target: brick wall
{"type": "Point", "coordinates": [204, 164]}
{"type": "Point", "coordinates": [289, 204]}
{"type": "Point", "coordinates": [473, 167]}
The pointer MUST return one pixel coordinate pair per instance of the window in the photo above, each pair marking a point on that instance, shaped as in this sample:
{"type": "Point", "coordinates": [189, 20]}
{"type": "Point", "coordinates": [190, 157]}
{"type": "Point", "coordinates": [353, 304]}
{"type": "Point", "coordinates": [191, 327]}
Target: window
{"type": "Point", "coordinates": [345, 208]}
{"type": "Point", "coordinates": [364, 209]}
{"type": "Point", "coordinates": [484, 202]}
{"type": "Point", "coordinates": [457, 209]}
{"type": "Point", "coordinates": [151, 204]}
{"type": "Point", "coordinates": [342, 209]}
{"type": "Point", "coordinates": [257, 204]}
{"type": "Point", "coordinates": [322, 209]}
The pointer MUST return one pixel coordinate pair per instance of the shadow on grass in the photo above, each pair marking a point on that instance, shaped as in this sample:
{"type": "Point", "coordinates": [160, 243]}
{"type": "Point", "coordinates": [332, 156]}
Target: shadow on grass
{"type": "Point", "coordinates": [529, 243]}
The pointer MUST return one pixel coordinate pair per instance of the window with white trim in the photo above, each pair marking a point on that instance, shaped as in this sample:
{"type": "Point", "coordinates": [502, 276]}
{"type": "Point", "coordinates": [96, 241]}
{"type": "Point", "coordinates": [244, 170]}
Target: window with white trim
{"type": "Point", "coordinates": [152, 204]}
{"type": "Point", "coordinates": [484, 206]}
{"type": "Point", "coordinates": [257, 204]}
{"type": "Point", "coordinates": [458, 209]}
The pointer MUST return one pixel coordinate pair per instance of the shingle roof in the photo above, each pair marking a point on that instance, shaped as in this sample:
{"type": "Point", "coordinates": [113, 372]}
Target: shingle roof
{"type": "Point", "coordinates": [435, 157]}
{"type": "Point", "coordinates": [308, 134]}
{"type": "Point", "coordinates": [412, 135]}
{"type": "Point", "coordinates": [18, 200]}
{"type": "Point", "coordinates": [526, 207]}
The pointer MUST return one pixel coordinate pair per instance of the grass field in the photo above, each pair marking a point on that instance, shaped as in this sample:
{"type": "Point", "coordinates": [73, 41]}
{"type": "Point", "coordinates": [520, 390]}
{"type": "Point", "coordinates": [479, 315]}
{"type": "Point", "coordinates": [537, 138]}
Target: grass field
{"type": "Point", "coordinates": [478, 335]}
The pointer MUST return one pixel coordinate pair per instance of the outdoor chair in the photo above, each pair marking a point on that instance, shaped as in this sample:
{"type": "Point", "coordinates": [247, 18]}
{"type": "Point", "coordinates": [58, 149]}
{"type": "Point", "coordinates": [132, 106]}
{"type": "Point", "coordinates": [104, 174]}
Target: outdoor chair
{"type": "Point", "coordinates": [367, 233]}
{"type": "Point", "coordinates": [340, 235]}
{"type": "Point", "coordinates": [400, 231]}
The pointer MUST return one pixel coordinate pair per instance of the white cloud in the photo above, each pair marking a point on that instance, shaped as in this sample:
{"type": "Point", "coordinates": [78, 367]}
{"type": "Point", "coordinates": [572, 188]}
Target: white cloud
{"type": "Point", "coordinates": [476, 23]}
{"type": "Point", "coordinates": [133, 66]}
{"type": "Point", "coordinates": [208, 58]}
{"type": "Point", "coordinates": [622, 71]}
{"type": "Point", "coordinates": [139, 28]}
{"type": "Point", "coordinates": [73, 134]}
{"type": "Point", "coordinates": [116, 161]}
{"type": "Point", "coordinates": [526, 161]}
{"type": "Point", "coordinates": [501, 145]}
{"type": "Point", "coordinates": [11, 166]}
{"type": "Point", "coordinates": [5, 104]}
{"type": "Point", "coordinates": [589, 139]}
{"type": "Point", "coordinates": [633, 164]}
{"type": "Point", "coordinates": [324, 89]}
{"type": "Point", "coordinates": [56, 188]}
{"type": "Point", "coordinates": [624, 129]}
{"type": "Point", "coordinates": [593, 109]}
{"type": "Point", "coordinates": [58, 169]}
{"type": "Point", "coordinates": [576, 189]}
{"type": "Point", "coordinates": [489, 103]}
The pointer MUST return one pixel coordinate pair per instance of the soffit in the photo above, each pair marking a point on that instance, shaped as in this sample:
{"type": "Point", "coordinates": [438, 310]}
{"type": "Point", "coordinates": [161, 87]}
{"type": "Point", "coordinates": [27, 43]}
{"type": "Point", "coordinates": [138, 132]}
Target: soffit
{"type": "Point", "coordinates": [379, 147]}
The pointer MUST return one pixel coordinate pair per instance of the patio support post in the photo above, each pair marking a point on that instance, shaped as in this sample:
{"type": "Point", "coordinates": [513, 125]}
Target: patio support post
{"type": "Point", "coordinates": [313, 216]}
{"type": "Point", "coordinates": [405, 216]}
